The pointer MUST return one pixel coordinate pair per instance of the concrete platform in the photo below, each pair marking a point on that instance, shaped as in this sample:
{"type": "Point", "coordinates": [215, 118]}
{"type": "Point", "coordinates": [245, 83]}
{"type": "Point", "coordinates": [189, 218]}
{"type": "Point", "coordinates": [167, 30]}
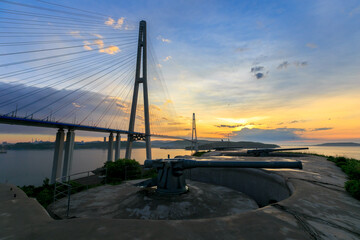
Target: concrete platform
{"type": "Point", "coordinates": [318, 208]}
{"type": "Point", "coordinates": [127, 201]}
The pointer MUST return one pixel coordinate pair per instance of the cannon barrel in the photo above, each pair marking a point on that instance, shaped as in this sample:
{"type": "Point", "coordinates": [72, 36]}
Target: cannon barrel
{"type": "Point", "coordinates": [260, 151]}
{"type": "Point", "coordinates": [170, 178]}
{"type": "Point", "coordinates": [240, 164]}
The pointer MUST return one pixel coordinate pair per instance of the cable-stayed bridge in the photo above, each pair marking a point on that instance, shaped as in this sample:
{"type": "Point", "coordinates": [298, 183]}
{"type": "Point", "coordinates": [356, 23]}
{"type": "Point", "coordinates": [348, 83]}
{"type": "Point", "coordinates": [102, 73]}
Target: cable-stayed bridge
{"type": "Point", "coordinates": [77, 70]}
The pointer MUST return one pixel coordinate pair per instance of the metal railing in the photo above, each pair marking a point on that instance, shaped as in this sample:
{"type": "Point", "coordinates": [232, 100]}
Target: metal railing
{"type": "Point", "coordinates": [62, 190]}
{"type": "Point", "coordinates": [63, 187]}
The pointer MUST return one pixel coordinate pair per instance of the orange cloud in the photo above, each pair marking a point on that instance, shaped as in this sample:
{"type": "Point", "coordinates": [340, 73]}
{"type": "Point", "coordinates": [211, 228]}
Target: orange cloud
{"type": "Point", "coordinates": [75, 34]}
{"type": "Point", "coordinates": [97, 35]}
{"type": "Point", "coordinates": [110, 50]}
{"type": "Point", "coordinates": [100, 43]}
{"type": "Point", "coordinates": [155, 107]}
{"type": "Point", "coordinates": [168, 101]}
{"type": "Point", "coordinates": [86, 45]}
{"type": "Point", "coordinates": [110, 21]}
{"type": "Point", "coordinates": [119, 23]}
{"type": "Point", "coordinates": [167, 58]}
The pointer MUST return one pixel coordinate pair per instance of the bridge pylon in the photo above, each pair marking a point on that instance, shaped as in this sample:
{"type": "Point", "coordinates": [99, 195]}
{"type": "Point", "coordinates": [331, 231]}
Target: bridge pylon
{"type": "Point", "coordinates": [194, 142]}
{"type": "Point", "coordinates": [140, 77]}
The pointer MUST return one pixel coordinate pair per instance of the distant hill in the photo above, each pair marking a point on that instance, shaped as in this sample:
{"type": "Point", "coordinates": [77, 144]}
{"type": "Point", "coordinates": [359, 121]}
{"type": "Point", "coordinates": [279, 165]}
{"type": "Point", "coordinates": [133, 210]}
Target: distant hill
{"type": "Point", "coordinates": [241, 144]}
{"type": "Point", "coordinates": [206, 145]}
{"type": "Point", "coordinates": [178, 144]}
{"type": "Point", "coordinates": [340, 144]}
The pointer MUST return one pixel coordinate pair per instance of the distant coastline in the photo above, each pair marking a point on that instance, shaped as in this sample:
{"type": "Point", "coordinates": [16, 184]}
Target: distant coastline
{"type": "Point", "coordinates": [180, 144]}
{"type": "Point", "coordinates": [339, 144]}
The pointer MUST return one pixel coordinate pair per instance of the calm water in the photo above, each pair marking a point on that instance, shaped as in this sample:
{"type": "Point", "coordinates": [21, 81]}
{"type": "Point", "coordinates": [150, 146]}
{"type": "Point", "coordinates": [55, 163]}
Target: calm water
{"type": "Point", "coordinates": [350, 152]}
{"type": "Point", "coordinates": [24, 167]}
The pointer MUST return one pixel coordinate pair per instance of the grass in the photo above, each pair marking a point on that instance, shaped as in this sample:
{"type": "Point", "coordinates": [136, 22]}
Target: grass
{"type": "Point", "coordinates": [351, 167]}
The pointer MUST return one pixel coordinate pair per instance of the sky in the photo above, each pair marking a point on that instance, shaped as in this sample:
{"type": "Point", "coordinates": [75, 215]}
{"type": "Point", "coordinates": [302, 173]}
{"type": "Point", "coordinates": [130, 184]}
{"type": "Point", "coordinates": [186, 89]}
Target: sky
{"type": "Point", "coordinates": [270, 71]}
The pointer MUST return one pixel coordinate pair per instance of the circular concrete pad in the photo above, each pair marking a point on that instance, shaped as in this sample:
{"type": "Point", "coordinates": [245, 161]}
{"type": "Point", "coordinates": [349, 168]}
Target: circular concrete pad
{"type": "Point", "coordinates": [127, 201]}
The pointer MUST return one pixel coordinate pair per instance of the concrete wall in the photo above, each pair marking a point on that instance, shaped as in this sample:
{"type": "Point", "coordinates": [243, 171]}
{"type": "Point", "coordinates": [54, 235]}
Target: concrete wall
{"type": "Point", "coordinates": [264, 187]}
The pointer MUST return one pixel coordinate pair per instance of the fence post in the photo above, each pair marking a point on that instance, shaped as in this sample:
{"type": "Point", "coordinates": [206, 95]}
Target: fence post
{"type": "Point", "coordinates": [55, 191]}
{"type": "Point", "coordinates": [68, 205]}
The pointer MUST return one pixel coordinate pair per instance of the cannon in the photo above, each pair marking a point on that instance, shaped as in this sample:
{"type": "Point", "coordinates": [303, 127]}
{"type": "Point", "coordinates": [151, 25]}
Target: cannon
{"type": "Point", "coordinates": [266, 151]}
{"type": "Point", "coordinates": [171, 179]}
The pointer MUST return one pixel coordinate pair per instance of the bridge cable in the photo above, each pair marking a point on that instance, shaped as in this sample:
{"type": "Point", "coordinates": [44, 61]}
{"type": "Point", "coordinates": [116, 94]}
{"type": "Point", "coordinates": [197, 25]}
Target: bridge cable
{"type": "Point", "coordinates": [49, 85]}
{"type": "Point", "coordinates": [76, 90]}
{"type": "Point", "coordinates": [101, 90]}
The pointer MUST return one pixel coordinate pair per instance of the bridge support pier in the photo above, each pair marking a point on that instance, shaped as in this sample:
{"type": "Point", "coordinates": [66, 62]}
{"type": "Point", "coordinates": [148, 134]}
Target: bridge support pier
{"type": "Point", "coordinates": [58, 155]}
{"type": "Point", "coordinates": [69, 149]}
{"type": "Point", "coordinates": [117, 146]}
{"type": "Point", "coordinates": [111, 148]}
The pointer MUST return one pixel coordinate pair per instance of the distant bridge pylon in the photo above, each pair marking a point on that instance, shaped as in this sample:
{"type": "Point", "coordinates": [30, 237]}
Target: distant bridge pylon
{"type": "Point", "coordinates": [194, 141]}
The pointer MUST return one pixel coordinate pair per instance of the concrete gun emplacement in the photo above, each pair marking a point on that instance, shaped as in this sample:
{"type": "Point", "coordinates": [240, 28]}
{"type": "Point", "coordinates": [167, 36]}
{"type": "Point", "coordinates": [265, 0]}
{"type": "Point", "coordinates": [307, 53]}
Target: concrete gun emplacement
{"type": "Point", "coordinates": [171, 179]}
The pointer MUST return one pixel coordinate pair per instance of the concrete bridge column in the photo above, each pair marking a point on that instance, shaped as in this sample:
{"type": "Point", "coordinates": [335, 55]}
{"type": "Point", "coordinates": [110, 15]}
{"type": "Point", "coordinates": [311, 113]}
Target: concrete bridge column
{"type": "Point", "coordinates": [58, 155]}
{"type": "Point", "coordinates": [117, 146]}
{"type": "Point", "coordinates": [69, 149]}
{"type": "Point", "coordinates": [111, 148]}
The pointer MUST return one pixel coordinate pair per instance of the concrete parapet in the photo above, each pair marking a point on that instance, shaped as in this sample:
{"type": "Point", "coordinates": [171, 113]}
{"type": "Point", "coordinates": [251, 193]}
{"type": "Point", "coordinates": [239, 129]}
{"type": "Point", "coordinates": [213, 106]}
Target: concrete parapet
{"type": "Point", "coordinates": [264, 187]}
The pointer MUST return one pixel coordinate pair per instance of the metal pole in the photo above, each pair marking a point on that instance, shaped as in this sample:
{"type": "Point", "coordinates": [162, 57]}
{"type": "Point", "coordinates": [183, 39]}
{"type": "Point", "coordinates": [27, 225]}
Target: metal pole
{"type": "Point", "coordinates": [117, 146]}
{"type": "Point", "coordinates": [58, 155]}
{"type": "Point", "coordinates": [111, 148]}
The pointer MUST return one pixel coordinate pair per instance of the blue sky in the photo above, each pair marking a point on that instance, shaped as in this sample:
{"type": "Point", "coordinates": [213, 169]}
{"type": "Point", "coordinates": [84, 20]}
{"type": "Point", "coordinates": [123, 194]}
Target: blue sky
{"type": "Point", "coordinates": [264, 65]}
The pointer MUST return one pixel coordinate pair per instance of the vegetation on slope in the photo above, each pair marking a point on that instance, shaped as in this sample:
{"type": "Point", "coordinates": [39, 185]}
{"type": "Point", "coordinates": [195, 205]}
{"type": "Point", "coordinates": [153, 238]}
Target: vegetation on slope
{"type": "Point", "coordinates": [117, 172]}
{"type": "Point", "coordinates": [45, 193]}
{"type": "Point", "coordinates": [352, 168]}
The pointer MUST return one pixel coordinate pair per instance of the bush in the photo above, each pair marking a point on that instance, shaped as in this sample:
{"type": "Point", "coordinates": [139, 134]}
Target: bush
{"type": "Point", "coordinates": [352, 169]}
{"type": "Point", "coordinates": [199, 154]}
{"type": "Point", "coordinates": [149, 173]}
{"type": "Point", "coordinates": [43, 194]}
{"type": "Point", "coordinates": [122, 169]}
{"type": "Point", "coordinates": [353, 187]}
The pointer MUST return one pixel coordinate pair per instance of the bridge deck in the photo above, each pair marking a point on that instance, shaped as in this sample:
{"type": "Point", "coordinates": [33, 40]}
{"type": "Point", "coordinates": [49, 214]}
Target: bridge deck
{"type": "Point", "coordinates": [51, 124]}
